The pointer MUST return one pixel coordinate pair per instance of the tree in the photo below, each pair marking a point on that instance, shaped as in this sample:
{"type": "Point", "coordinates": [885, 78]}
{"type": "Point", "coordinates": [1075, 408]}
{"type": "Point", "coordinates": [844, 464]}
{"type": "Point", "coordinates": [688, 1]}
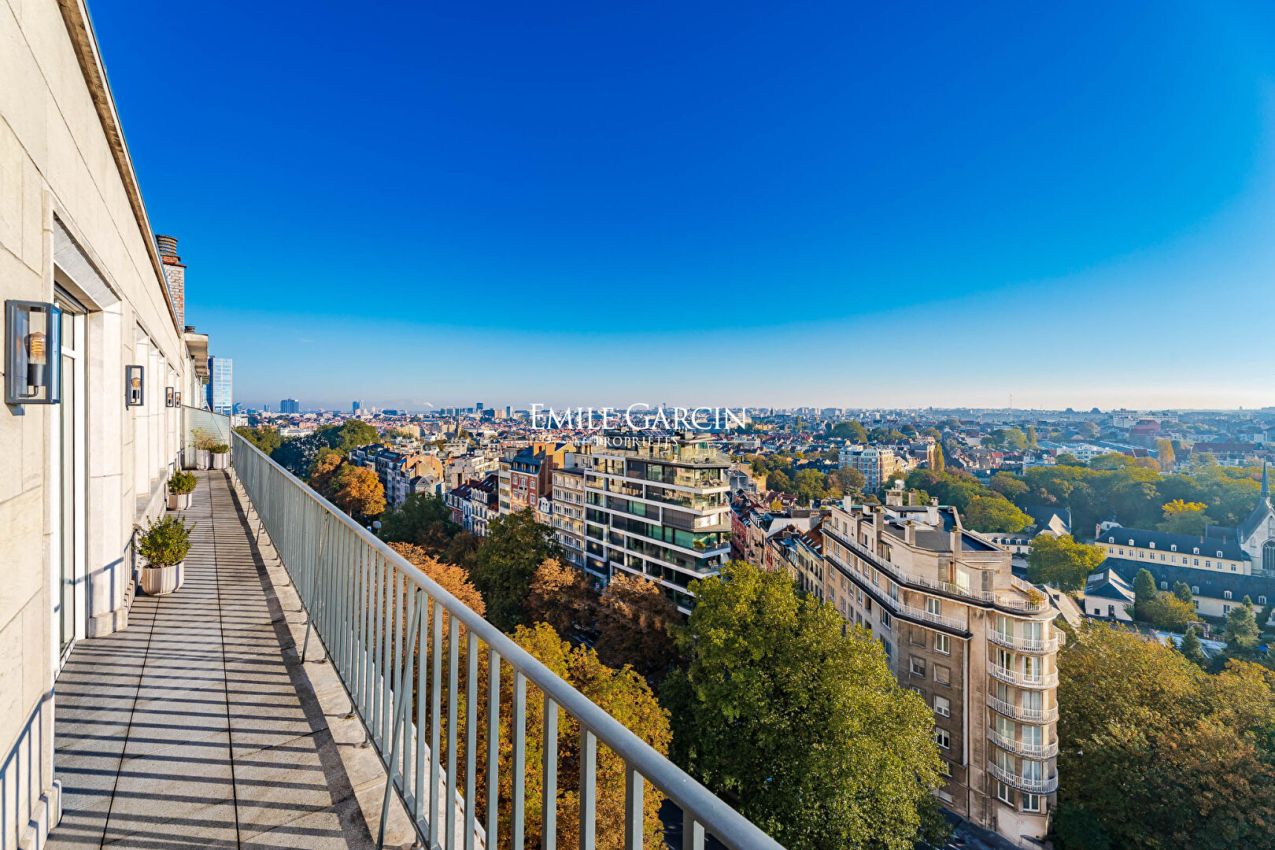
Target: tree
{"type": "Point", "coordinates": [848, 479]}
{"type": "Point", "coordinates": [1008, 485]}
{"type": "Point", "coordinates": [1144, 590]}
{"type": "Point", "coordinates": [1182, 591]}
{"type": "Point", "coordinates": [264, 437]}
{"type": "Point", "coordinates": [621, 693]}
{"type": "Point", "coordinates": [1182, 517]}
{"type": "Point", "coordinates": [1165, 453]}
{"type": "Point", "coordinates": [423, 519]}
{"type": "Point", "coordinates": [1192, 649]}
{"type": "Point", "coordinates": [635, 619]}
{"type": "Point", "coordinates": [763, 663]}
{"type": "Point", "coordinates": [357, 491]}
{"type": "Point", "coordinates": [850, 430]}
{"type": "Point", "coordinates": [779, 480]}
{"type": "Point", "coordinates": [324, 470]}
{"type": "Point", "coordinates": [1190, 752]}
{"type": "Point", "coordinates": [452, 578]}
{"type": "Point", "coordinates": [1242, 633]}
{"type": "Point", "coordinates": [809, 485]}
{"type": "Point", "coordinates": [939, 463]}
{"type": "Point", "coordinates": [506, 560]}
{"type": "Point", "coordinates": [1062, 561]}
{"type": "Point", "coordinates": [351, 434]}
{"type": "Point", "coordinates": [560, 596]}
{"type": "Point", "coordinates": [995, 514]}
{"type": "Point", "coordinates": [1166, 611]}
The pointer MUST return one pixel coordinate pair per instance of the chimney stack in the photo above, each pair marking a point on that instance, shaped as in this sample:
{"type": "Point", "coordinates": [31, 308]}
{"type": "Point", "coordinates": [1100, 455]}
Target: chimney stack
{"type": "Point", "coordinates": [175, 272]}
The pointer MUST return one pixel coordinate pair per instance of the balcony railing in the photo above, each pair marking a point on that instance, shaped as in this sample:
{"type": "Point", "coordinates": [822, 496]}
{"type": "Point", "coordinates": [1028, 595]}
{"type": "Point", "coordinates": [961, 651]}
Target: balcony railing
{"type": "Point", "coordinates": [1022, 748]}
{"type": "Point", "coordinates": [1029, 715]}
{"type": "Point", "coordinates": [1024, 644]}
{"type": "Point", "coordinates": [381, 621]}
{"type": "Point", "coordinates": [1022, 680]}
{"type": "Point", "coordinates": [1033, 785]}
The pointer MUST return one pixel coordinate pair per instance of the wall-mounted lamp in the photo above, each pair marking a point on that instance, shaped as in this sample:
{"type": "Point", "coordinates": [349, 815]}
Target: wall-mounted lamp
{"type": "Point", "coordinates": [177, 399]}
{"type": "Point", "coordinates": [32, 353]}
{"type": "Point", "coordinates": [170, 397]}
{"type": "Point", "coordinates": [134, 386]}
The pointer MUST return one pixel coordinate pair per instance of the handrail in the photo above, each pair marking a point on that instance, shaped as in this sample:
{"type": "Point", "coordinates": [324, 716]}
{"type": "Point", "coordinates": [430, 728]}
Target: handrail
{"type": "Point", "coordinates": [1031, 715]}
{"type": "Point", "coordinates": [1046, 785]}
{"type": "Point", "coordinates": [300, 523]}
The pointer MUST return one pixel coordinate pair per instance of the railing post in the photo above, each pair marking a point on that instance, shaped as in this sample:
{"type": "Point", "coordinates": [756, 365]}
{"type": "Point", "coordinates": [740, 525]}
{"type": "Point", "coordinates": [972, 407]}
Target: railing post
{"type": "Point", "coordinates": [398, 727]}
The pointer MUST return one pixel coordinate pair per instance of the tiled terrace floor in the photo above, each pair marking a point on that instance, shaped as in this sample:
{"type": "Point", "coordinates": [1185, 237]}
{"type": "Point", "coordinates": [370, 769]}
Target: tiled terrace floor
{"type": "Point", "coordinates": [198, 726]}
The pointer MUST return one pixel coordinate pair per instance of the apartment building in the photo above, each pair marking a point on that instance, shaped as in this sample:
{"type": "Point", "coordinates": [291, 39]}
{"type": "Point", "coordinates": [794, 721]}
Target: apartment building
{"type": "Point", "coordinates": [568, 516]}
{"type": "Point", "coordinates": [657, 509]}
{"type": "Point", "coordinates": [877, 463]}
{"type": "Point", "coordinates": [473, 504]}
{"type": "Point", "coordinates": [96, 369]}
{"type": "Point", "coordinates": [221, 386]}
{"type": "Point", "coordinates": [977, 643]}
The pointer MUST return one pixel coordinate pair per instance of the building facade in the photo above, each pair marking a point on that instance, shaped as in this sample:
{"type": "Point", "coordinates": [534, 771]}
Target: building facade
{"type": "Point", "coordinates": [876, 464]}
{"type": "Point", "coordinates": [76, 476]}
{"type": "Point", "coordinates": [221, 385]}
{"type": "Point", "coordinates": [978, 644]}
{"type": "Point", "coordinates": [289, 405]}
{"type": "Point", "coordinates": [568, 517]}
{"type": "Point", "coordinates": [658, 510]}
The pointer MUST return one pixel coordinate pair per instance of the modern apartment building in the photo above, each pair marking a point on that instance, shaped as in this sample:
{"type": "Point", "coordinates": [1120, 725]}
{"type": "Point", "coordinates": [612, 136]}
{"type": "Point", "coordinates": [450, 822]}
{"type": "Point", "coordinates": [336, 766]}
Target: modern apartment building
{"type": "Point", "coordinates": [95, 360]}
{"type": "Point", "coordinates": [221, 385]}
{"type": "Point", "coordinates": [977, 643]}
{"type": "Point", "coordinates": [568, 516]}
{"type": "Point", "coordinates": [289, 405]}
{"type": "Point", "coordinates": [657, 509]}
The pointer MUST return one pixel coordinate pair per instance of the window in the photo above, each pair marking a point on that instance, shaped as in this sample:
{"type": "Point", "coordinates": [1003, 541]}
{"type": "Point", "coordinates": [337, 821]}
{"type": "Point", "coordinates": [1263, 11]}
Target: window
{"type": "Point", "coordinates": [945, 768]}
{"type": "Point", "coordinates": [917, 666]}
{"type": "Point", "coordinates": [885, 619]}
{"type": "Point", "coordinates": [1031, 802]}
{"type": "Point", "coordinates": [1195, 588]}
{"type": "Point", "coordinates": [942, 707]}
{"type": "Point", "coordinates": [1261, 600]}
{"type": "Point", "coordinates": [942, 675]}
{"type": "Point", "coordinates": [943, 643]}
{"type": "Point", "coordinates": [1226, 594]}
{"type": "Point", "coordinates": [1164, 585]}
{"type": "Point", "coordinates": [943, 738]}
{"type": "Point", "coordinates": [1004, 793]}
{"type": "Point", "coordinates": [933, 606]}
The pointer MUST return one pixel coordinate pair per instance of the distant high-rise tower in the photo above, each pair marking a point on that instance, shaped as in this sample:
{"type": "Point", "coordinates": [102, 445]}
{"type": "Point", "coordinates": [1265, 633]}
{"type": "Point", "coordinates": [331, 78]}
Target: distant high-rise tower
{"type": "Point", "coordinates": [221, 383]}
{"type": "Point", "coordinates": [356, 407]}
{"type": "Point", "coordinates": [289, 405]}
{"type": "Point", "coordinates": [480, 406]}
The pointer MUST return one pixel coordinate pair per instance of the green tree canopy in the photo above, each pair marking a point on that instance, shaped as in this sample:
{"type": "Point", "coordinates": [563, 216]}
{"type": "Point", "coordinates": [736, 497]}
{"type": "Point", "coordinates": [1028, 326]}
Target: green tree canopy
{"type": "Point", "coordinates": [264, 437]}
{"type": "Point", "coordinates": [1192, 650]}
{"type": "Point", "coordinates": [1190, 753]}
{"type": "Point", "coordinates": [850, 430]}
{"type": "Point", "coordinates": [763, 664]}
{"type": "Point", "coordinates": [995, 514]}
{"type": "Point", "coordinates": [1242, 632]}
{"type": "Point", "coordinates": [1181, 517]}
{"type": "Point", "coordinates": [506, 560]}
{"type": "Point", "coordinates": [423, 519]}
{"type": "Point", "coordinates": [1062, 561]}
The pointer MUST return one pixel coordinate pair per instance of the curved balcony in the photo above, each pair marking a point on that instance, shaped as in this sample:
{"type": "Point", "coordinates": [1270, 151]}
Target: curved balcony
{"type": "Point", "coordinates": [1022, 644]}
{"type": "Point", "coordinates": [1046, 785]}
{"type": "Point", "coordinates": [1022, 680]}
{"type": "Point", "coordinates": [1028, 715]}
{"type": "Point", "coordinates": [1034, 751]}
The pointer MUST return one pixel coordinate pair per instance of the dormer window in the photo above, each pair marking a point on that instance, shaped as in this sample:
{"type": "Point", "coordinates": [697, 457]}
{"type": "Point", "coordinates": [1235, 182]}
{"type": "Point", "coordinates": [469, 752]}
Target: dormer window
{"type": "Point", "coordinates": [1111, 540]}
{"type": "Point", "coordinates": [1219, 553]}
{"type": "Point", "coordinates": [1226, 594]}
{"type": "Point", "coordinates": [1173, 547]}
{"type": "Point", "coordinates": [1131, 543]}
{"type": "Point", "coordinates": [1195, 588]}
{"type": "Point", "coordinates": [1152, 544]}
{"type": "Point", "coordinates": [1195, 551]}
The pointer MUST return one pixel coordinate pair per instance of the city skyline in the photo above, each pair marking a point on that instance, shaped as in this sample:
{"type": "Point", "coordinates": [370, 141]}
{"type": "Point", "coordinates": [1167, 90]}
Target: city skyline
{"type": "Point", "coordinates": [978, 206]}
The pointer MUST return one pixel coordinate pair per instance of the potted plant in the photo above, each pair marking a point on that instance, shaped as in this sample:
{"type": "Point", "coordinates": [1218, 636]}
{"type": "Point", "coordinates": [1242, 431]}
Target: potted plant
{"type": "Point", "coordinates": [180, 486]}
{"type": "Point", "coordinates": [199, 455]}
{"type": "Point", "coordinates": [220, 455]}
{"type": "Point", "coordinates": [163, 547]}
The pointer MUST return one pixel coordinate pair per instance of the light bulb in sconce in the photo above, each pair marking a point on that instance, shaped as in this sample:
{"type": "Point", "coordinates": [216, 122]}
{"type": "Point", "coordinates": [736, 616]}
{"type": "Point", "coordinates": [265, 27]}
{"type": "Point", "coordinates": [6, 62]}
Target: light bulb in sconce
{"type": "Point", "coordinates": [37, 358]}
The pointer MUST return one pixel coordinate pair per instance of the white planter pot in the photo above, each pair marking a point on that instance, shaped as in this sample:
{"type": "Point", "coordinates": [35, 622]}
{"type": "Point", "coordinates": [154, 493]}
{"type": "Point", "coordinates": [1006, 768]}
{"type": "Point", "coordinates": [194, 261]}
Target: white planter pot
{"type": "Point", "coordinates": [220, 461]}
{"type": "Point", "coordinates": [157, 581]}
{"type": "Point", "coordinates": [195, 459]}
{"type": "Point", "coordinates": [179, 501]}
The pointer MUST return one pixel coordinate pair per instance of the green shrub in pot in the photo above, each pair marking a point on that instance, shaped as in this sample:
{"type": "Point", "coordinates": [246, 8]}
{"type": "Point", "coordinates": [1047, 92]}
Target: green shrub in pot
{"type": "Point", "coordinates": [180, 486]}
{"type": "Point", "coordinates": [163, 547]}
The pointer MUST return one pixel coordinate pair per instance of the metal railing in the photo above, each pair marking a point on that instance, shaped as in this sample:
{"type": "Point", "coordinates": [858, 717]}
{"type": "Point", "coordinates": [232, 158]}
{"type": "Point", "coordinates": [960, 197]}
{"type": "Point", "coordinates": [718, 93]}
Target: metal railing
{"type": "Point", "coordinates": [381, 621]}
{"type": "Point", "coordinates": [1022, 680]}
{"type": "Point", "coordinates": [195, 419]}
{"type": "Point", "coordinates": [1023, 748]}
{"type": "Point", "coordinates": [1018, 712]}
{"type": "Point", "coordinates": [1025, 644]}
{"type": "Point", "coordinates": [1033, 785]}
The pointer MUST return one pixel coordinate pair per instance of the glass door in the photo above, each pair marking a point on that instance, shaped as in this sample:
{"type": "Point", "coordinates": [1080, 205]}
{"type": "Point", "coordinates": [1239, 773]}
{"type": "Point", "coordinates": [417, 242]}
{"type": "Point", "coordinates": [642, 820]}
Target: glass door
{"type": "Point", "coordinates": [70, 475]}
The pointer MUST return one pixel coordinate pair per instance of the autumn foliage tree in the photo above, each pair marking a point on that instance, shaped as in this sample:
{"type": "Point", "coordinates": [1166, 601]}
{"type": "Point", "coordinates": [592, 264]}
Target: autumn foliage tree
{"type": "Point", "coordinates": [505, 562]}
{"type": "Point", "coordinates": [1062, 561]}
{"type": "Point", "coordinates": [560, 596]}
{"type": "Point", "coordinates": [634, 621]}
{"type": "Point", "coordinates": [357, 491]}
{"type": "Point", "coordinates": [1155, 753]}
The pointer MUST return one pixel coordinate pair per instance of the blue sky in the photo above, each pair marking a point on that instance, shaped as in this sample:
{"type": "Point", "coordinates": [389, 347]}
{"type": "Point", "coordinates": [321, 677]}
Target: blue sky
{"type": "Point", "coordinates": [724, 203]}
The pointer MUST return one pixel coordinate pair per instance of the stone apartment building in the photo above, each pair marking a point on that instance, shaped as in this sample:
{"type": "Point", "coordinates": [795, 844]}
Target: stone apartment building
{"type": "Point", "coordinates": [877, 463]}
{"type": "Point", "coordinates": [89, 298]}
{"type": "Point", "coordinates": [568, 515]}
{"type": "Point", "coordinates": [978, 644]}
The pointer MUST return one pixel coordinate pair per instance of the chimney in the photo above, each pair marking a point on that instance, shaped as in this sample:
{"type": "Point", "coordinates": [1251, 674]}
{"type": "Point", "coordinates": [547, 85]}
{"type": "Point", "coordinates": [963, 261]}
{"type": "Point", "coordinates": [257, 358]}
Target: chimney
{"type": "Point", "coordinates": [175, 272]}
{"type": "Point", "coordinates": [909, 533]}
